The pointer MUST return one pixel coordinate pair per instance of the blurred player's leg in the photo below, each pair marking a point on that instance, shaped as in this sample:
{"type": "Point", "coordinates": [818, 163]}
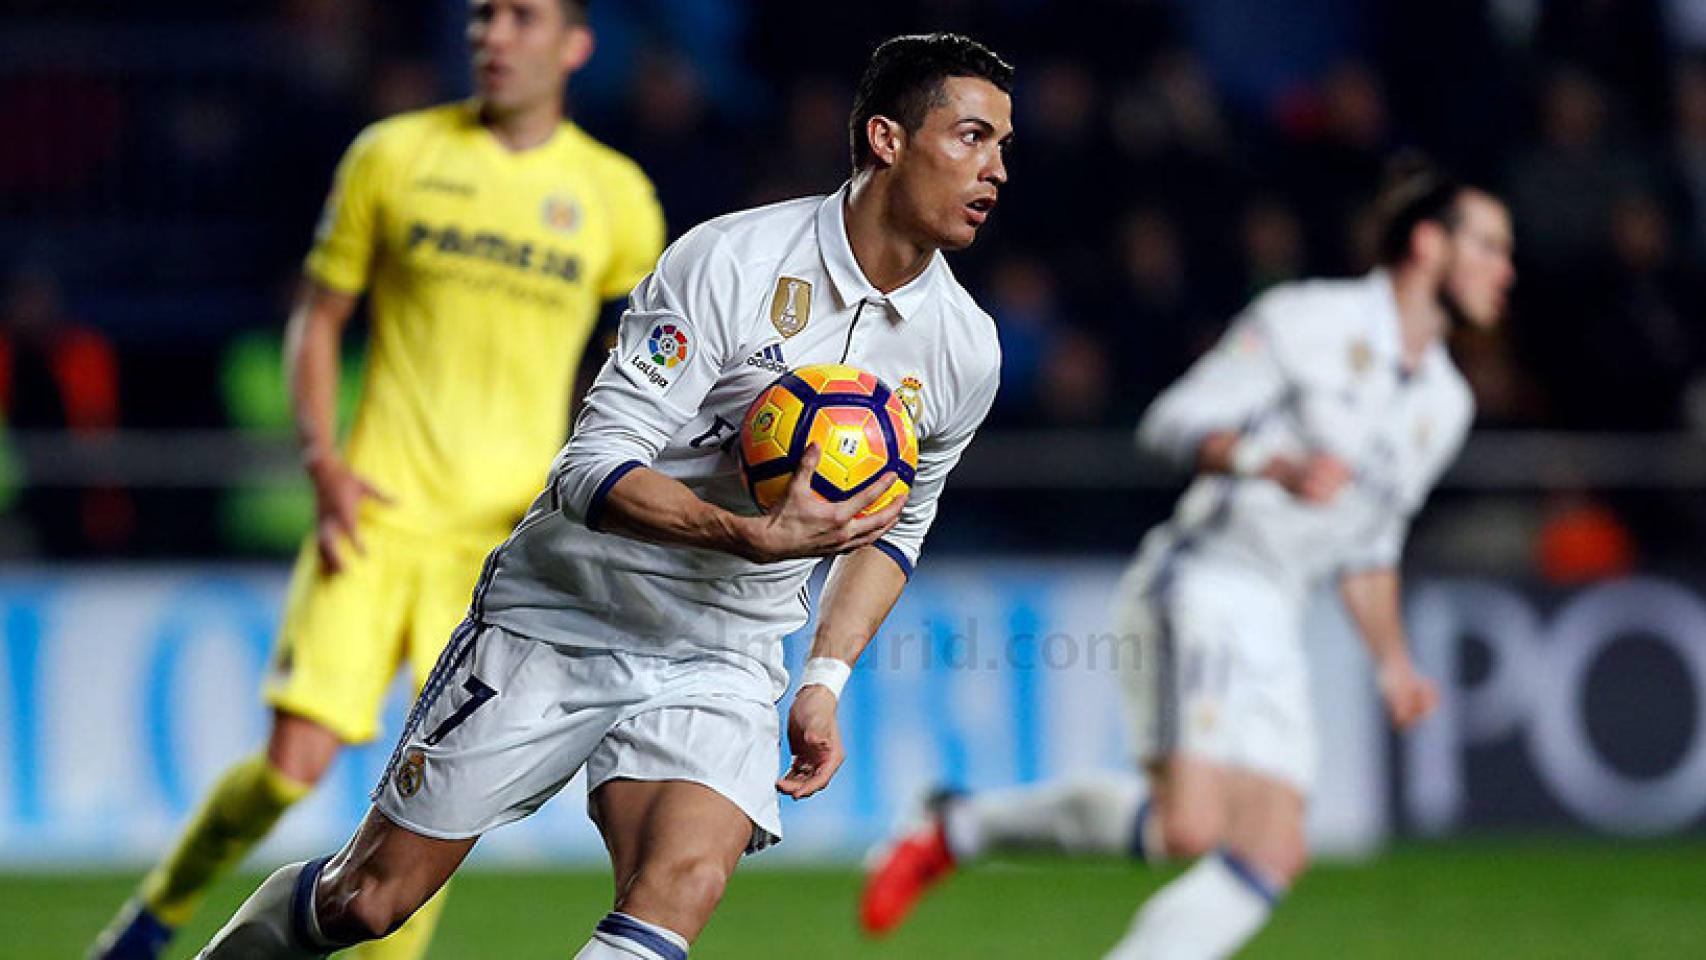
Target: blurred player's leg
{"type": "Point", "coordinates": [1087, 816]}
{"type": "Point", "coordinates": [238, 812]}
{"type": "Point", "coordinates": [1217, 905]}
{"type": "Point", "coordinates": [381, 877]}
{"type": "Point", "coordinates": [673, 845]}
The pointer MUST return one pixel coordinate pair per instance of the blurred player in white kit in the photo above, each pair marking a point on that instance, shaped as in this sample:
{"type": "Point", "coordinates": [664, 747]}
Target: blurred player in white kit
{"type": "Point", "coordinates": [1316, 428]}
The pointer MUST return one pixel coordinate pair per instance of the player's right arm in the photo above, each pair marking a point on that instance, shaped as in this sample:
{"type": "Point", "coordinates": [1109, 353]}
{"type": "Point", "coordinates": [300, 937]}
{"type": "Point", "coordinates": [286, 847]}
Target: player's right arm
{"type": "Point", "coordinates": [337, 271]}
{"type": "Point", "coordinates": [648, 505]}
{"type": "Point", "coordinates": [638, 403]}
{"type": "Point", "coordinates": [1204, 421]}
{"type": "Point", "coordinates": [311, 352]}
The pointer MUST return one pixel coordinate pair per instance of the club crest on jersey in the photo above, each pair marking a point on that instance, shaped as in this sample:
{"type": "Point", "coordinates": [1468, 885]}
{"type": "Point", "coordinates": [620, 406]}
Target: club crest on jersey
{"type": "Point", "coordinates": [561, 213]}
{"type": "Point", "coordinates": [791, 305]}
{"type": "Point", "coordinates": [410, 773]}
{"type": "Point", "coordinates": [1361, 357]}
{"type": "Point", "coordinates": [911, 394]}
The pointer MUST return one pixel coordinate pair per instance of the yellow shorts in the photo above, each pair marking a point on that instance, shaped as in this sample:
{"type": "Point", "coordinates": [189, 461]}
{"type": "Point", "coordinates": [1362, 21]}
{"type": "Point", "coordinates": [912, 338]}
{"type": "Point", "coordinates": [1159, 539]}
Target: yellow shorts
{"type": "Point", "coordinates": [345, 635]}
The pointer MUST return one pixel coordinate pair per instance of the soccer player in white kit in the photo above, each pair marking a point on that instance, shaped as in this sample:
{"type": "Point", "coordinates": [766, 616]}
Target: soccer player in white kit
{"type": "Point", "coordinates": [632, 624]}
{"type": "Point", "coordinates": [1316, 428]}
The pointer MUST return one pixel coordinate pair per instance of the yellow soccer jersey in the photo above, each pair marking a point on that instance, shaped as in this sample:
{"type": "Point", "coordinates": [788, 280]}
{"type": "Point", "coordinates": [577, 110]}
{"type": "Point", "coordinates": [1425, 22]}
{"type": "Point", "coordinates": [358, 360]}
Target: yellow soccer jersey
{"type": "Point", "coordinates": [486, 269]}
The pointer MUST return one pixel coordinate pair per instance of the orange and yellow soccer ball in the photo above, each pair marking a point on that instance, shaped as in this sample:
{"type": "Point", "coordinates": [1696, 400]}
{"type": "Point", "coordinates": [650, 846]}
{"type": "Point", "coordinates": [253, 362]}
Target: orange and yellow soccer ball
{"type": "Point", "coordinates": [859, 424]}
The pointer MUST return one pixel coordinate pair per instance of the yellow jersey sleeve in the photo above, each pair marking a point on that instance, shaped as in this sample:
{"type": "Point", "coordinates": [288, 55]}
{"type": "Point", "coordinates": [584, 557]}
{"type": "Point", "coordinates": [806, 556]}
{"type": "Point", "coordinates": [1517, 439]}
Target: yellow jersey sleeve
{"type": "Point", "coordinates": [637, 240]}
{"type": "Point", "coordinates": [348, 234]}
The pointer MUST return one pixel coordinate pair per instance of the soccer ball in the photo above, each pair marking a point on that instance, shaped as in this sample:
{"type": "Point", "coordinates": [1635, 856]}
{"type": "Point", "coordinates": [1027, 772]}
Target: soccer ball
{"type": "Point", "coordinates": [859, 424]}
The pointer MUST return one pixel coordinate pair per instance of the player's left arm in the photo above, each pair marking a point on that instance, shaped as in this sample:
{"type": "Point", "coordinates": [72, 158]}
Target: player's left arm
{"type": "Point", "coordinates": [1373, 599]}
{"type": "Point", "coordinates": [864, 584]}
{"type": "Point", "coordinates": [861, 590]}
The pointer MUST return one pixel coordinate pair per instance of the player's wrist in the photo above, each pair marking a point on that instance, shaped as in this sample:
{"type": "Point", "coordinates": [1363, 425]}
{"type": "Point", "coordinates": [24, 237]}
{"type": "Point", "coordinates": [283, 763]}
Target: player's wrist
{"type": "Point", "coordinates": [317, 457]}
{"type": "Point", "coordinates": [828, 673]}
{"type": "Point", "coordinates": [746, 537]}
{"type": "Point", "coordinates": [1251, 456]}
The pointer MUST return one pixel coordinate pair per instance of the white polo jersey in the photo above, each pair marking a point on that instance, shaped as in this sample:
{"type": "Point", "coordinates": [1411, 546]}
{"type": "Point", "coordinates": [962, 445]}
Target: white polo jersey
{"type": "Point", "coordinates": [733, 304]}
{"type": "Point", "coordinates": [1309, 366]}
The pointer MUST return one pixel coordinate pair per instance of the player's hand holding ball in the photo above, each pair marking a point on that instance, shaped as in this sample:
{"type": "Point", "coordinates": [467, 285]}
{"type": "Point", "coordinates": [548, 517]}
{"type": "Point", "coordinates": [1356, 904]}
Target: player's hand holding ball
{"type": "Point", "coordinates": [829, 453]}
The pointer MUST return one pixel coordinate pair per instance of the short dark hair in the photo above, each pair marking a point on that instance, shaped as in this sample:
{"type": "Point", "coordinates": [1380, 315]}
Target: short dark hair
{"type": "Point", "coordinates": [576, 11]}
{"type": "Point", "coordinates": [904, 79]}
{"type": "Point", "coordinates": [1415, 191]}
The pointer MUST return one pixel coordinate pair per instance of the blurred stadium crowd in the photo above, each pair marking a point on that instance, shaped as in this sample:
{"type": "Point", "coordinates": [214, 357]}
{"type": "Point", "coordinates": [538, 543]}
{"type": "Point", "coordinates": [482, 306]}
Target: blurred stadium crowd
{"type": "Point", "coordinates": [165, 164]}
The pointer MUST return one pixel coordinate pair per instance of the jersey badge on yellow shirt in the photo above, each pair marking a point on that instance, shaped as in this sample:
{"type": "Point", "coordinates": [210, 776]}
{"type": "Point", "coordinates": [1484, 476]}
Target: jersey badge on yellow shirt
{"type": "Point", "coordinates": [562, 213]}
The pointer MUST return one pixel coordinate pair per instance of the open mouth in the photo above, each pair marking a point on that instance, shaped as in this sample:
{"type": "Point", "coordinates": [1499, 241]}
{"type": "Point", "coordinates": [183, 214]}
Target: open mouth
{"type": "Point", "coordinates": [979, 208]}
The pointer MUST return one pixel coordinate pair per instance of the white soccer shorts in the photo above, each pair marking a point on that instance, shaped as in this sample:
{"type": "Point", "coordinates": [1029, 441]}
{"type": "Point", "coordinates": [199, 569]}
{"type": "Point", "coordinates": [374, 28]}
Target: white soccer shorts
{"type": "Point", "coordinates": [505, 721]}
{"type": "Point", "coordinates": [1215, 669]}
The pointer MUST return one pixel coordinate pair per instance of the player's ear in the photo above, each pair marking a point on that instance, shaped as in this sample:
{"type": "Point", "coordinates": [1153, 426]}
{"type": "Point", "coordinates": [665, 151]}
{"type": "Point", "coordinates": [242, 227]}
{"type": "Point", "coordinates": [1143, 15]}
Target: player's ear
{"type": "Point", "coordinates": [886, 138]}
{"type": "Point", "coordinates": [1430, 242]}
{"type": "Point", "coordinates": [577, 47]}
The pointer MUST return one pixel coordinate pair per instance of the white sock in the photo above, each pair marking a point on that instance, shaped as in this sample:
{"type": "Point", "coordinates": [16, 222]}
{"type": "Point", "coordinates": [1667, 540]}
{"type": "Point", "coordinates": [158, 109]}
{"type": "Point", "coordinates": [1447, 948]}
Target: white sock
{"type": "Point", "coordinates": [1208, 911]}
{"type": "Point", "coordinates": [1089, 815]}
{"type": "Point", "coordinates": [275, 923]}
{"type": "Point", "coordinates": [623, 937]}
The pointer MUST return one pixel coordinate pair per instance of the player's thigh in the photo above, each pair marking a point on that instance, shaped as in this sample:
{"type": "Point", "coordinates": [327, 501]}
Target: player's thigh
{"type": "Point", "coordinates": [1176, 673]}
{"type": "Point", "coordinates": [1271, 720]}
{"type": "Point", "coordinates": [501, 725]}
{"type": "Point", "coordinates": [341, 639]}
{"type": "Point", "coordinates": [724, 742]}
{"type": "Point", "coordinates": [652, 820]}
{"type": "Point", "coordinates": [446, 575]}
{"type": "Point", "coordinates": [1266, 823]}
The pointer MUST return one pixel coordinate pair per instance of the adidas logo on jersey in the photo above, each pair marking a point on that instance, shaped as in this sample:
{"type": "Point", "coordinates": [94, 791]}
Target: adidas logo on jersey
{"type": "Point", "coordinates": [770, 358]}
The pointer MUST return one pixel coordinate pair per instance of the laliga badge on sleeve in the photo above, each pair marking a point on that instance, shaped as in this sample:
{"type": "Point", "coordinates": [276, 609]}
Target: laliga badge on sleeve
{"type": "Point", "coordinates": [660, 356]}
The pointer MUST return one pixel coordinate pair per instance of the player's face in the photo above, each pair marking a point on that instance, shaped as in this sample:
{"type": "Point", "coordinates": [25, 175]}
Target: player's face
{"type": "Point", "coordinates": [948, 172]}
{"type": "Point", "coordinates": [1479, 273]}
{"type": "Point", "coordinates": [523, 51]}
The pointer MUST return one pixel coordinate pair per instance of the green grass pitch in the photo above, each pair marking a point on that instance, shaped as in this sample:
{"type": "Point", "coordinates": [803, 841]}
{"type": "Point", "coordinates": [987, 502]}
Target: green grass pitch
{"type": "Point", "coordinates": [1504, 899]}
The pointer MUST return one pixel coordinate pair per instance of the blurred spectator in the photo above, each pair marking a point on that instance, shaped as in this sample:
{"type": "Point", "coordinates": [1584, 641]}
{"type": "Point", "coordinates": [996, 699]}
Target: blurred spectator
{"type": "Point", "coordinates": [811, 156]}
{"type": "Point", "coordinates": [670, 133]}
{"type": "Point", "coordinates": [1688, 154]}
{"type": "Point", "coordinates": [1272, 245]}
{"type": "Point", "coordinates": [1340, 139]}
{"type": "Point", "coordinates": [1620, 43]}
{"type": "Point", "coordinates": [1563, 186]}
{"type": "Point", "coordinates": [1581, 541]}
{"type": "Point", "coordinates": [1052, 374]}
{"type": "Point", "coordinates": [56, 374]}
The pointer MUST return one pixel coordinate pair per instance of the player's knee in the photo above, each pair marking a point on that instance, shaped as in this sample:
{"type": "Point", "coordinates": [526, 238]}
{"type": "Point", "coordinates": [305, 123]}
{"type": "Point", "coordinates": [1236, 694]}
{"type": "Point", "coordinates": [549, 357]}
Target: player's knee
{"type": "Point", "coordinates": [1288, 859]}
{"type": "Point", "coordinates": [1190, 832]}
{"type": "Point", "coordinates": [692, 885]}
{"type": "Point", "coordinates": [356, 905]}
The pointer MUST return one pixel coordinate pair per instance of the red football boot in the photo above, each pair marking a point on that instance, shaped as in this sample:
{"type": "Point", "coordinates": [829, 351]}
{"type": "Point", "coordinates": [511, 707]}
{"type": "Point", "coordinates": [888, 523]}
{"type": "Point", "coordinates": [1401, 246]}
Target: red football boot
{"type": "Point", "coordinates": [900, 875]}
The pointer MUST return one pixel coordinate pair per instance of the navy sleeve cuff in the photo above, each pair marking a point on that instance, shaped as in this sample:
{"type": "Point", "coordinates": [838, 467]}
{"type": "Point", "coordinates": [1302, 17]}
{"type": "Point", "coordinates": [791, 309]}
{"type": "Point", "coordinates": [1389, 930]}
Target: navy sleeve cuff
{"type": "Point", "coordinates": [595, 506]}
{"type": "Point", "coordinates": [897, 555]}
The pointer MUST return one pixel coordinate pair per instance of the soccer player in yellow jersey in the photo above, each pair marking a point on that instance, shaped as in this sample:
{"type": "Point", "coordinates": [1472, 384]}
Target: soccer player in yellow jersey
{"type": "Point", "coordinates": [488, 234]}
